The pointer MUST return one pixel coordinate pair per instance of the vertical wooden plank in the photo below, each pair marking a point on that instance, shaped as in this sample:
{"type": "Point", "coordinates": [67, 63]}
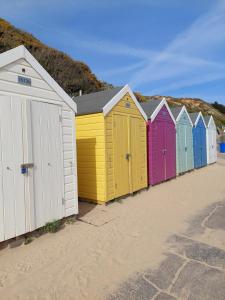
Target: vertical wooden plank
{"type": "Point", "coordinates": [170, 146]}
{"type": "Point", "coordinates": [74, 165]}
{"type": "Point", "coordinates": [135, 164]}
{"type": "Point", "coordinates": [18, 154]}
{"type": "Point", "coordinates": [2, 229]}
{"type": "Point", "coordinates": [189, 145]}
{"type": "Point", "coordinates": [55, 166]}
{"type": "Point", "coordinates": [157, 157]}
{"type": "Point", "coordinates": [121, 164]}
{"type": "Point", "coordinates": [37, 142]}
{"type": "Point", "coordinates": [28, 158]}
{"type": "Point", "coordinates": [214, 142]}
{"type": "Point", "coordinates": [138, 153]}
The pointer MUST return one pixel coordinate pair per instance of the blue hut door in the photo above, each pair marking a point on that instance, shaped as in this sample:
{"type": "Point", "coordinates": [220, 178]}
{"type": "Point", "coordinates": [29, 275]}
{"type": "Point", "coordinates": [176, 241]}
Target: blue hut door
{"type": "Point", "coordinates": [199, 135]}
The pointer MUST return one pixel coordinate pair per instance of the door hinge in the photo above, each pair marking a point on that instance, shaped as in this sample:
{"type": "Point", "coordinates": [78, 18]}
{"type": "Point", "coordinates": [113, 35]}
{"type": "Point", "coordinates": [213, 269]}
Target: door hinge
{"type": "Point", "coordinates": [115, 185]}
{"type": "Point", "coordinates": [63, 201]}
{"type": "Point", "coordinates": [60, 118]}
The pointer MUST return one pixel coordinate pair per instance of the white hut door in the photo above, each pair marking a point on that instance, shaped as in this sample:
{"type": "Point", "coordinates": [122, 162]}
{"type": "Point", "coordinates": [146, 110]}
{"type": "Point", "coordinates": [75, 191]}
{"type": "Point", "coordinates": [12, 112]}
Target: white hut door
{"type": "Point", "coordinates": [211, 144]}
{"type": "Point", "coordinates": [12, 182]}
{"type": "Point", "coordinates": [48, 163]}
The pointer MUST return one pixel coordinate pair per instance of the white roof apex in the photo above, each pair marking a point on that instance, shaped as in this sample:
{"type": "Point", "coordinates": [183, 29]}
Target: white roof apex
{"type": "Point", "coordinates": [20, 52]}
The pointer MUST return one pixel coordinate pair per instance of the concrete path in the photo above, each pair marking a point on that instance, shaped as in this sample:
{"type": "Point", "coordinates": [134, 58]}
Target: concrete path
{"type": "Point", "coordinates": [192, 269]}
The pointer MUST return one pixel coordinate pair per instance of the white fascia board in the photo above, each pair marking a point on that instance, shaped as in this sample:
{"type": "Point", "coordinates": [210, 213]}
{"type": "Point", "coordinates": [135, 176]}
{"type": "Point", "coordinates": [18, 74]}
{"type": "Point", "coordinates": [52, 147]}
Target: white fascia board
{"type": "Point", "coordinates": [196, 121]}
{"type": "Point", "coordinates": [19, 52]}
{"type": "Point", "coordinates": [158, 108]}
{"type": "Point", "coordinates": [180, 114]}
{"type": "Point", "coordinates": [10, 56]}
{"type": "Point", "coordinates": [126, 89]}
{"type": "Point", "coordinates": [200, 115]}
{"type": "Point", "coordinates": [211, 120]}
{"type": "Point", "coordinates": [35, 64]}
{"type": "Point", "coordinates": [184, 109]}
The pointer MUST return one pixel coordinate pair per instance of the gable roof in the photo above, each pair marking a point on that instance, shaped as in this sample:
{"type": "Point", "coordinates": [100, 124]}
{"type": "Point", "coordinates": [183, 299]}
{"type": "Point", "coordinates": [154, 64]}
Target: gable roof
{"type": "Point", "coordinates": [196, 116]}
{"type": "Point", "coordinates": [153, 107]}
{"type": "Point", "coordinates": [150, 106]}
{"type": "Point", "coordinates": [176, 111]}
{"type": "Point", "coordinates": [104, 101]}
{"type": "Point", "coordinates": [94, 102]}
{"type": "Point", "coordinates": [21, 52]}
{"type": "Point", "coordinates": [207, 119]}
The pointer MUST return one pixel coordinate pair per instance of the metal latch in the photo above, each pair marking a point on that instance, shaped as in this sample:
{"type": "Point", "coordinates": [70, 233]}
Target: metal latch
{"type": "Point", "coordinates": [128, 155]}
{"type": "Point", "coordinates": [164, 151]}
{"type": "Point", "coordinates": [25, 167]}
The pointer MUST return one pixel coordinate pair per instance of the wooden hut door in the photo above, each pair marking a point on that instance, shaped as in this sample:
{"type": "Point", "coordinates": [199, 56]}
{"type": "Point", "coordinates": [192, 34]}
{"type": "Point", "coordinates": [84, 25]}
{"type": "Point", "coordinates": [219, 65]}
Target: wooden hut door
{"type": "Point", "coordinates": [158, 147]}
{"type": "Point", "coordinates": [170, 154]}
{"type": "Point", "coordinates": [137, 154]}
{"type": "Point", "coordinates": [12, 182]}
{"type": "Point", "coordinates": [121, 154]}
{"type": "Point", "coordinates": [30, 165]}
{"type": "Point", "coordinates": [211, 144]}
{"type": "Point", "coordinates": [189, 147]}
{"type": "Point", "coordinates": [48, 162]}
{"type": "Point", "coordinates": [181, 148]}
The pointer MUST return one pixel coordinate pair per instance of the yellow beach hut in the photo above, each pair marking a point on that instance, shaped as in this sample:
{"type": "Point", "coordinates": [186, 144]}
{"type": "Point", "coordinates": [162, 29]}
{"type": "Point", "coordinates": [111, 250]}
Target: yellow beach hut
{"type": "Point", "coordinates": [111, 145]}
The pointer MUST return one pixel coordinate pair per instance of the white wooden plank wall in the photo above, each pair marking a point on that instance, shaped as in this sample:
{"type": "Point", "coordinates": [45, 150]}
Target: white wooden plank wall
{"type": "Point", "coordinates": [41, 91]}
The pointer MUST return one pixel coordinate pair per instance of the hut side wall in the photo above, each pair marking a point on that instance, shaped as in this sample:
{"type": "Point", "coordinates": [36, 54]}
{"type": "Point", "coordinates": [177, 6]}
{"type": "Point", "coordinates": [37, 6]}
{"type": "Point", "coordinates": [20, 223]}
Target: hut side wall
{"type": "Point", "coordinates": [91, 157]}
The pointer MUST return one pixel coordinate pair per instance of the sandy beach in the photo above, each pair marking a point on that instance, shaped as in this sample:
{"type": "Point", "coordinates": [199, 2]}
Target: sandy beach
{"type": "Point", "coordinates": [107, 244]}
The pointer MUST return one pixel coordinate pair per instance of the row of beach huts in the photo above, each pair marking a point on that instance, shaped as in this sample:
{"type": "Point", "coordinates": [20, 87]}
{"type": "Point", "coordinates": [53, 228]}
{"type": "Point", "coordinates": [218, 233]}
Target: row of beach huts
{"type": "Point", "coordinates": [98, 147]}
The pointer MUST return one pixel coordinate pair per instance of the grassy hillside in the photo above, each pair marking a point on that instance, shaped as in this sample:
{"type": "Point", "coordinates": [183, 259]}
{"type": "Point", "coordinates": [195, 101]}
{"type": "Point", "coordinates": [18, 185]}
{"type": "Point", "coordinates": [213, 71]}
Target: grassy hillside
{"type": "Point", "coordinates": [70, 74]}
{"type": "Point", "coordinates": [194, 105]}
{"type": "Point", "coordinates": [74, 75]}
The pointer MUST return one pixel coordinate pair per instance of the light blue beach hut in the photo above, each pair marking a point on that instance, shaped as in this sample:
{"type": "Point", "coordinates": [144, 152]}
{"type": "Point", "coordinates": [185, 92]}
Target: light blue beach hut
{"type": "Point", "coordinates": [184, 140]}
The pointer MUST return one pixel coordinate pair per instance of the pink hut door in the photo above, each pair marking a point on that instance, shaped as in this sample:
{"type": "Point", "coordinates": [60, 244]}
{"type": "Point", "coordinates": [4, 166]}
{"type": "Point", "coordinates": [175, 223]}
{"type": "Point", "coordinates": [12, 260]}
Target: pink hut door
{"type": "Point", "coordinates": [156, 140]}
{"type": "Point", "coordinates": [170, 153]}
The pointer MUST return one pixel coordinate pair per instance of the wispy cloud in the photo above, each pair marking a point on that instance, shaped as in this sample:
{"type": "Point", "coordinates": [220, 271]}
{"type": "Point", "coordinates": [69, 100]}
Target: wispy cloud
{"type": "Point", "coordinates": [122, 70]}
{"type": "Point", "coordinates": [187, 55]}
{"type": "Point", "coordinates": [189, 59]}
{"type": "Point", "coordinates": [194, 80]}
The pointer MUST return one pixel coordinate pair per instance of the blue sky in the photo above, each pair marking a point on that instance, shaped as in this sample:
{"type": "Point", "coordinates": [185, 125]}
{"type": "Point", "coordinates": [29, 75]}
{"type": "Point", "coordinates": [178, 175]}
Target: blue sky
{"type": "Point", "coordinates": [166, 47]}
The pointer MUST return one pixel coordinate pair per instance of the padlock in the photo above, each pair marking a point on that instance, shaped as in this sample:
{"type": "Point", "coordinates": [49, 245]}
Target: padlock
{"type": "Point", "coordinates": [24, 170]}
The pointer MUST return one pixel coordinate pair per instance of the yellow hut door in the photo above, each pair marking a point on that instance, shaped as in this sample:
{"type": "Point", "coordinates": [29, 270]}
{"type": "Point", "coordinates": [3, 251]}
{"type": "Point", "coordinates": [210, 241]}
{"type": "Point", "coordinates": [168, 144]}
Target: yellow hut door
{"type": "Point", "coordinates": [136, 153]}
{"type": "Point", "coordinates": [121, 154]}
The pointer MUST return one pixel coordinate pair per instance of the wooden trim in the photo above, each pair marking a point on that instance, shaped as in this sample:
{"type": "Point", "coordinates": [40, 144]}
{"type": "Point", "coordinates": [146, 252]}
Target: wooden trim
{"type": "Point", "coordinates": [126, 89]}
{"type": "Point", "coordinates": [181, 112]}
{"type": "Point", "coordinates": [158, 108]}
{"type": "Point", "coordinates": [21, 52]}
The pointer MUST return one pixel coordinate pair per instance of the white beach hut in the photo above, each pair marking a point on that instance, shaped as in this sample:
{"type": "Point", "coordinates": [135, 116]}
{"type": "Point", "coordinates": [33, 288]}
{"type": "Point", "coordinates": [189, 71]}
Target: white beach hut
{"type": "Point", "coordinates": [38, 169]}
{"type": "Point", "coordinates": [211, 139]}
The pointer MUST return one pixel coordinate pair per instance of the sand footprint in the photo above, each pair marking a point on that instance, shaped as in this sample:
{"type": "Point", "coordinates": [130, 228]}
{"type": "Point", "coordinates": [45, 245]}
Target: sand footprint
{"type": "Point", "coordinates": [24, 268]}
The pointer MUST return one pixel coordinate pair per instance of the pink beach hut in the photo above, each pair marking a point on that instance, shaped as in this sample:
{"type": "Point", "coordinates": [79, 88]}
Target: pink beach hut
{"type": "Point", "coordinates": [161, 141]}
